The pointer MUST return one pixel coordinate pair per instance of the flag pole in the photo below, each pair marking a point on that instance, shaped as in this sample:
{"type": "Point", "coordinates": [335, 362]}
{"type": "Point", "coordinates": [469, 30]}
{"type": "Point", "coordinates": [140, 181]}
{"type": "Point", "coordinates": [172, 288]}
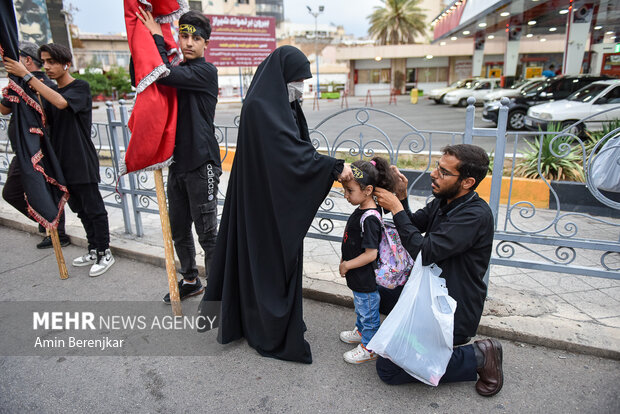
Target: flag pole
{"type": "Point", "coordinates": [167, 235]}
{"type": "Point", "coordinates": [60, 258]}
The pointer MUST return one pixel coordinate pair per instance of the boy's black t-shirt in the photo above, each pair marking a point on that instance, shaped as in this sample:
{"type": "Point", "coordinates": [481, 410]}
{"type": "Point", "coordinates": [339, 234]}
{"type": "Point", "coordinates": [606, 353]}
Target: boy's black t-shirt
{"type": "Point", "coordinates": [70, 134]}
{"type": "Point", "coordinates": [361, 279]}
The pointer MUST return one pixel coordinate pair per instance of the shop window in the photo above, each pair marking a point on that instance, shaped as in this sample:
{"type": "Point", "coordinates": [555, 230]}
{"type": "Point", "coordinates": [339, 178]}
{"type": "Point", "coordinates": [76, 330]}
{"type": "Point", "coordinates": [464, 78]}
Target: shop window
{"type": "Point", "coordinates": [410, 75]}
{"type": "Point", "coordinates": [373, 76]}
{"type": "Point", "coordinates": [433, 74]}
{"type": "Point", "coordinates": [363, 76]}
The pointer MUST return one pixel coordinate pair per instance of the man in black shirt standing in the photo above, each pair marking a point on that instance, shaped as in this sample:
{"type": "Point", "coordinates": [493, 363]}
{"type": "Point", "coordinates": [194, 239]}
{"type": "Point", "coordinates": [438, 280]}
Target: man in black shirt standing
{"type": "Point", "coordinates": [13, 190]}
{"type": "Point", "coordinates": [194, 175]}
{"type": "Point", "coordinates": [69, 116]}
{"type": "Point", "coordinates": [458, 231]}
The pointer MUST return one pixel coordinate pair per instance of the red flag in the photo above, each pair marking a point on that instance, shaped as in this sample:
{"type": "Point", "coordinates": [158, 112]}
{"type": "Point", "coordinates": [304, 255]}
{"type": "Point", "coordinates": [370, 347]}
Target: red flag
{"type": "Point", "coordinates": [154, 116]}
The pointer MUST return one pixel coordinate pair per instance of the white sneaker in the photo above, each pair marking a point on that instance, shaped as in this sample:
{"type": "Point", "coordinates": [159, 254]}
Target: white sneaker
{"type": "Point", "coordinates": [359, 355]}
{"type": "Point", "coordinates": [351, 337]}
{"type": "Point", "coordinates": [86, 260]}
{"type": "Point", "coordinates": [102, 265]}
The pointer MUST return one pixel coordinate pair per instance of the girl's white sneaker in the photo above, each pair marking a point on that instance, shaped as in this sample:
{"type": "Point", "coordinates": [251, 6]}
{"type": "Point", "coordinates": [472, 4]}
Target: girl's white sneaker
{"type": "Point", "coordinates": [359, 355]}
{"type": "Point", "coordinates": [351, 337]}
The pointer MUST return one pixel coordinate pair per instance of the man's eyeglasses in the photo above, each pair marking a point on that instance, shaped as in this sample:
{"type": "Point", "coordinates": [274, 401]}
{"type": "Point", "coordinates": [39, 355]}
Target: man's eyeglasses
{"type": "Point", "coordinates": [444, 173]}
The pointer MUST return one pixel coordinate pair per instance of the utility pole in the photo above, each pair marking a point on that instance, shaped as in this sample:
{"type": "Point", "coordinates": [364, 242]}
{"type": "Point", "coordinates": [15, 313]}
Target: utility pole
{"type": "Point", "coordinates": [316, 46]}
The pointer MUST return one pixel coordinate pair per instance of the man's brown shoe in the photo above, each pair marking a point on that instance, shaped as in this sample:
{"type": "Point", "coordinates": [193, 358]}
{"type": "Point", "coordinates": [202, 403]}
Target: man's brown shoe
{"type": "Point", "coordinates": [491, 374]}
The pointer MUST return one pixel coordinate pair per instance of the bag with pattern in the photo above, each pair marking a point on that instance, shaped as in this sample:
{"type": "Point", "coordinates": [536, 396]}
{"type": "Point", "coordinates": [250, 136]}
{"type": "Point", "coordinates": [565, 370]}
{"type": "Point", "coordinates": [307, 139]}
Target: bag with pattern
{"type": "Point", "coordinates": [393, 262]}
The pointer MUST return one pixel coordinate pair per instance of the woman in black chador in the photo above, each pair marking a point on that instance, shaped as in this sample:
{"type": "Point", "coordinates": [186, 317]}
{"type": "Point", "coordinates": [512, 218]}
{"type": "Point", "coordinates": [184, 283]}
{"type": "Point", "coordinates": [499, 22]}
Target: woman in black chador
{"type": "Point", "coordinates": [277, 183]}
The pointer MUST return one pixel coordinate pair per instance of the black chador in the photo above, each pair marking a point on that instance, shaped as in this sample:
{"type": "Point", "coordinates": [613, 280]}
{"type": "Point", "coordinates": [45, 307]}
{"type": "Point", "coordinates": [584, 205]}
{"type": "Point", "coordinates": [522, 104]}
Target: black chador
{"type": "Point", "coordinates": [276, 186]}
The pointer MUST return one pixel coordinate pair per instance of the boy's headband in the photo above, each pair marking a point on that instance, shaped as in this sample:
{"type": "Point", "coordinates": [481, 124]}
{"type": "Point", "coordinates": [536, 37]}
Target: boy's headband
{"type": "Point", "coordinates": [192, 30]}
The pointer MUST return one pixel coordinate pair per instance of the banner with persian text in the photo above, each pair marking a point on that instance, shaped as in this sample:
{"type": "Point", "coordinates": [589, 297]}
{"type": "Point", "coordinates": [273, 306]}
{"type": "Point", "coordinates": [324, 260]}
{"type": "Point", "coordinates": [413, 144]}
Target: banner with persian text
{"type": "Point", "coordinates": [240, 40]}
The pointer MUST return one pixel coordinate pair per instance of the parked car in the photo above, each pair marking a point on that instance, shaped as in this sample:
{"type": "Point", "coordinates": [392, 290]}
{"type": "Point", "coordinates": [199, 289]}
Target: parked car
{"type": "Point", "coordinates": [589, 100]}
{"type": "Point", "coordinates": [479, 90]}
{"type": "Point", "coordinates": [552, 89]}
{"type": "Point", "coordinates": [514, 90]}
{"type": "Point", "coordinates": [438, 94]}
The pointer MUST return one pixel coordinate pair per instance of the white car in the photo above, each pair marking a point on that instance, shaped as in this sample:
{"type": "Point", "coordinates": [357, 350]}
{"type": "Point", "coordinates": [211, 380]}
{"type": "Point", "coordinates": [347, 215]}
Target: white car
{"type": "Point", "coordinates": [589, 100]}
{"type": "Point", "coordinates": [479, 90]}
{"type": "Point", "coordinates": [438, 94]}
{"type": "Point", "coordinates": [514, 90]}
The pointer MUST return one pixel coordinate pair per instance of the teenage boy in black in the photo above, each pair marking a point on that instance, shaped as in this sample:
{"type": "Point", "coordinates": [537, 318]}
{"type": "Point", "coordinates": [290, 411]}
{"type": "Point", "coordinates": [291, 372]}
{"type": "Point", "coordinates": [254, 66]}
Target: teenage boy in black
{"type": "Point", "coordinates": [69, 116]}
{"type": "Point", "coordinates": [13, 190]}
{"type": "Point", "coordinates": [194, 175]}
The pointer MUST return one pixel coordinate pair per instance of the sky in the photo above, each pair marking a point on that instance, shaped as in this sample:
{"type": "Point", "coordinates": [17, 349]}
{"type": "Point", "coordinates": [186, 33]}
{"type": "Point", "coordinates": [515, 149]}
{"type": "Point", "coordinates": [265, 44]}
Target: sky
{"type": "Point", "coordinates": [92, 17]}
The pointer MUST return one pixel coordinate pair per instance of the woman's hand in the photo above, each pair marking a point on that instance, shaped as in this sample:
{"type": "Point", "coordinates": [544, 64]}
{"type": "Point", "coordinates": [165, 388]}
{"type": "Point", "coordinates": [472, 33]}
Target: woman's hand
{"type": "Point", "coordinates": [346, 174]}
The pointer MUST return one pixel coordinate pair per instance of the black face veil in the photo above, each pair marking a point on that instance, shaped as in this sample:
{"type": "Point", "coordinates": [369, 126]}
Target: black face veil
{"type": "Point", "coordinates": [276, 186]}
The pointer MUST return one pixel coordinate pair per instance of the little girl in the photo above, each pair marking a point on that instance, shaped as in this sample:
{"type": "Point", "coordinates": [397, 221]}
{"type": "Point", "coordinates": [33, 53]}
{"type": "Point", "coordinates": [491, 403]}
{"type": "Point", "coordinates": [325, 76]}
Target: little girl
{"type": "Point", "coordinates": [359, 253]}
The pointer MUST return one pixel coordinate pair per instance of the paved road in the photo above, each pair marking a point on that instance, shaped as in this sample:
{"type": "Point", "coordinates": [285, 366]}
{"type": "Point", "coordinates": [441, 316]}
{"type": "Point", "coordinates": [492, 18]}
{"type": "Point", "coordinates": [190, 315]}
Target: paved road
{"type": "Point", "coordinates": [237, 379]}
{"type": "Point", "coordinates": [425, 116]}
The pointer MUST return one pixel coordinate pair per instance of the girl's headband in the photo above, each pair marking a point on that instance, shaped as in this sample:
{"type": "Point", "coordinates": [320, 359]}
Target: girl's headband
{"type": "Point", "coordinates": [361, 177]}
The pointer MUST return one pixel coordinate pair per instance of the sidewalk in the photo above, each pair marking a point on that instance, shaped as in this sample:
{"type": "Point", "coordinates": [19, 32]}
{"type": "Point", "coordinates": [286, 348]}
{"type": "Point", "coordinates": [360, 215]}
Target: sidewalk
{"type": "Point", "coordinates": [574, 313]}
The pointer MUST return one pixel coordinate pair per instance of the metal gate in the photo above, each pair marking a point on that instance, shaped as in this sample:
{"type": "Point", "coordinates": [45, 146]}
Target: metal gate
{"type": "Point", "coordinates": [527, 236]}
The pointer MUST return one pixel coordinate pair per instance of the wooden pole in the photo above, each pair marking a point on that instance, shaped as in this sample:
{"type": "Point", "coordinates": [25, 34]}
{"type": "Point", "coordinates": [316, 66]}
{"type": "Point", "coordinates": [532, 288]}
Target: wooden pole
{"type": "Point", "coordinates": [60, 258]}
{"type": "Point", "coordinates": [165, 229]}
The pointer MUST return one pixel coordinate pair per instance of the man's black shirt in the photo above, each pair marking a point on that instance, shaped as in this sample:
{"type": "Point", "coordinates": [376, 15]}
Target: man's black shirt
{"type": "Point", "coordinates": [459, 239]}
{"type": "Point", "coordinates": [70, 130]}
{"type": "Point", "coordinates": [196, 83]}
{"type": "Point", "coordinates": [361, 279]}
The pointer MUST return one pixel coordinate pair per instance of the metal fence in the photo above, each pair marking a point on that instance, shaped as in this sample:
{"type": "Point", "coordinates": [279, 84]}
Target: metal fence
{"type": "Point", "coordinates": [526, 236]}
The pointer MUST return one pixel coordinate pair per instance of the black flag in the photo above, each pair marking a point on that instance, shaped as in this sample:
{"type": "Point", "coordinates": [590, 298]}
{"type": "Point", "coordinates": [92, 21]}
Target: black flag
{"type": "Point", "coordinates": [42, 178]}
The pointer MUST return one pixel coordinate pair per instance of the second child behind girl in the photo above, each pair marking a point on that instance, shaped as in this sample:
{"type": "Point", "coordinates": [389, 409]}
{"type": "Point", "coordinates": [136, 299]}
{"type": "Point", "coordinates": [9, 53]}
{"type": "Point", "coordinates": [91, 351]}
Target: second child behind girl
{"type": "Point", "coordinates": [359, 253]}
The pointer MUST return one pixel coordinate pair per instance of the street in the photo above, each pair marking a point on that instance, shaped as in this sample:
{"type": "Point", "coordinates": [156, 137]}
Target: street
{"type": "Point", "coordinates": [237, 379]}
{"type": "Point", "coordinates": [425, 116]}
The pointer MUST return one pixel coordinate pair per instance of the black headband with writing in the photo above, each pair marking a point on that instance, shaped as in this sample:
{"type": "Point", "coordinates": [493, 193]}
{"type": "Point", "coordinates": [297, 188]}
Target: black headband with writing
{"type": "Point", "coordinates": [193, 30]}
{"type": "Point", "coordinates": [361, 178]}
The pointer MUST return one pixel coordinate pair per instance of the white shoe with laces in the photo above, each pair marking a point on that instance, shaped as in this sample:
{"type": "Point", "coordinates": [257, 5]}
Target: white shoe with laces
{"type": "Point", "coordinates": [359, 355]}
{"type": "Point", "coordinates": [351, 337]}
{"type": "Point", "coordinates": [86, 260]}
{"type": "Point", "coordinates": [104, 262]}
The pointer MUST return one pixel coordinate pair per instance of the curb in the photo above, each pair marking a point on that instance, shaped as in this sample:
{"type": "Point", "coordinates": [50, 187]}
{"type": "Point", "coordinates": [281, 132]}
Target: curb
{"type": "Point", "coordinates": [323, 291]}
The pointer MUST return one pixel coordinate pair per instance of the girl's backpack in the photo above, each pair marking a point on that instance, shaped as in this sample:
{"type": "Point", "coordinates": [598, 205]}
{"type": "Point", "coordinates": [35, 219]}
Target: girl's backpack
{"type": "Point", "coordinates": [393, 261]}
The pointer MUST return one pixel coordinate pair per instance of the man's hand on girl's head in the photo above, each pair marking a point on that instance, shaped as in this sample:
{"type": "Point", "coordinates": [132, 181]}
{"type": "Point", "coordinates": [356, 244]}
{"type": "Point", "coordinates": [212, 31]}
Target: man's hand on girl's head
{"type": "Point", "coordinates": [388, 200]}
{"type": "Point", "coordinates": [401, 183]}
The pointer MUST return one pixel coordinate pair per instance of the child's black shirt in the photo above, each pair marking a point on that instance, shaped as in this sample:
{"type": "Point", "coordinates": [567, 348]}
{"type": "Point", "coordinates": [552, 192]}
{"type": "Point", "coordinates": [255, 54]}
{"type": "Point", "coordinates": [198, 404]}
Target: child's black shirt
{"type": "Point", "coordinates": [361, 279]}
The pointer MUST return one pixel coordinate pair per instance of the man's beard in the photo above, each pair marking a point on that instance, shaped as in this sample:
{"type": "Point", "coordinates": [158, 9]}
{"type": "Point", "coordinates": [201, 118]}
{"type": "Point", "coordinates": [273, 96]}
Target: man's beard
{"type": "Point", "coordinates": [446, 192]}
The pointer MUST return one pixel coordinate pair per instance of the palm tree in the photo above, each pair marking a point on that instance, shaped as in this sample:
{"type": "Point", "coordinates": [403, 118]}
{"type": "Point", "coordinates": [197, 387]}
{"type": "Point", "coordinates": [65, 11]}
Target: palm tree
{"type": "Point", "coordinates": [397, 23]}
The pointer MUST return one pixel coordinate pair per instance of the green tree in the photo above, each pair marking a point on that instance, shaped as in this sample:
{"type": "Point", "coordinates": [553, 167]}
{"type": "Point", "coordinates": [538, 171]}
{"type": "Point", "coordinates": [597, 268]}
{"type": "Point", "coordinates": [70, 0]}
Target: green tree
{"type": "Point", "coordinates": [119, 79]}
{"type": "Point", "coordinates": [397, 22]}
{"type": "Point", "coordinates": [99, 84]}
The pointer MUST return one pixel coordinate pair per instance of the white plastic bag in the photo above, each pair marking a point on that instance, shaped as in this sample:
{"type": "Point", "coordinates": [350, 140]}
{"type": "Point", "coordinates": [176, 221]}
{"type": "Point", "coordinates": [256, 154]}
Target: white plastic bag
{"type": "Point", "coordinates": [606, 166]}
{"type": "Point", "coordinates": [417, 335]}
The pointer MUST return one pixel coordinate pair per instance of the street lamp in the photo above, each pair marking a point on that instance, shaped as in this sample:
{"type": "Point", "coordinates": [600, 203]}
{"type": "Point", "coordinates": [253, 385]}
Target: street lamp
{"type": "Point", "coordinates": [316, 48]}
